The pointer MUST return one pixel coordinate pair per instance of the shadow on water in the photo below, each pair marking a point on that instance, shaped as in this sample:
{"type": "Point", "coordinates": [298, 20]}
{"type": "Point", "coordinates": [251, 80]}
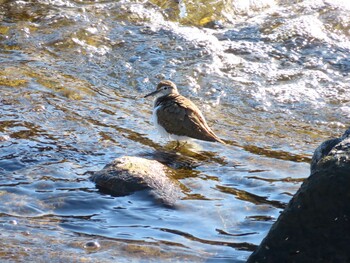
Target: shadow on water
{"type": "Point", "coordinates": [172, 159]}
{"type": "Point", "coordinates": [184, 156]}
{"type": "Point", "coordinates": [246, 196]}
{"type": "Point", "coordinates": [271, 180]}
{"type": "Point", "coordinates": [239, 246]}
{"type": "Point", "coordinates": [281, 155]}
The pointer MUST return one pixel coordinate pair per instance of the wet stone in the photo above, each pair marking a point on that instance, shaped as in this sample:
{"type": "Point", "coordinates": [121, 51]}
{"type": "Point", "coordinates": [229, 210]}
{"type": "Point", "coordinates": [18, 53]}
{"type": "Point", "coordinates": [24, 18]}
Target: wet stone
{"type": "Point", "coordinates": [128, 174]}
{"type": "Point", "coordinates": [92, 246]}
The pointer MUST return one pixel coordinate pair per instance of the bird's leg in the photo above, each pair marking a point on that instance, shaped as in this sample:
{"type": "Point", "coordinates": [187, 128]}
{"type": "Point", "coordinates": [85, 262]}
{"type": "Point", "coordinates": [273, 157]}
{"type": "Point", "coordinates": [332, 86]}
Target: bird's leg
{"type": "Point", "coordinates": [178, 144]}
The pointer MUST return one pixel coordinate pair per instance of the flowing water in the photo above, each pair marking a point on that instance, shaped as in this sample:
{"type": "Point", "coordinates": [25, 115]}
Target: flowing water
{"type": "Point", "coordinates": [271, 77]}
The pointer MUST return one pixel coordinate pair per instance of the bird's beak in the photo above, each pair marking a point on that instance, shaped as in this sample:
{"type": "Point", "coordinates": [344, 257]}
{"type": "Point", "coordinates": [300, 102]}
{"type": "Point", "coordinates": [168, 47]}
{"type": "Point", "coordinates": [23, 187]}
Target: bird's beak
{"type": "Point", "coordinates": [152, 93]}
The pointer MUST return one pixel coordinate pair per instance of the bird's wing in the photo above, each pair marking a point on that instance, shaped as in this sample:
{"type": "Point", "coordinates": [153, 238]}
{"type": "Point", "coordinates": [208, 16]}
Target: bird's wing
{"type": "Point", "coordinates": [183, 118]}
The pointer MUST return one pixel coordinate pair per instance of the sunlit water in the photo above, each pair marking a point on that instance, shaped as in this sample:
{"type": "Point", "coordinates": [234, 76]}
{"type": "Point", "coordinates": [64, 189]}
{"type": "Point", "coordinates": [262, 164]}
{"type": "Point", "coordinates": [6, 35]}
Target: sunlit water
{"type": "Point", "coordinates": [271, 77]}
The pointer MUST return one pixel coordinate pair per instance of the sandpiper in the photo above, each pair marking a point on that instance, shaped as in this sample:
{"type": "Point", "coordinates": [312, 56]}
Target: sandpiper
{"type": "Point", "coordinates": [178, 118]}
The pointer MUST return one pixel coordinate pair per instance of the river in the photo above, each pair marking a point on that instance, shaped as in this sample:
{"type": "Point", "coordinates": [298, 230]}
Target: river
{"type": "Point", "coordinates": [271, 77]}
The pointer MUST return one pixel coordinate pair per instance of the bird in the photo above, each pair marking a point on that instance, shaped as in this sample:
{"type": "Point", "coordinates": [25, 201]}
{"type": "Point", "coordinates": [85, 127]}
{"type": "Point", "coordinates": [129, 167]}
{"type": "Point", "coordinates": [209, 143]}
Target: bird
{"type": "Point", "coordinates": [177, 117]}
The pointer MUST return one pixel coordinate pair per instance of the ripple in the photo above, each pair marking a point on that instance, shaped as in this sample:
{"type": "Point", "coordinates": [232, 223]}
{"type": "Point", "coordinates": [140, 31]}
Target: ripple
{"type": "Point", "coordinates": [271, 78]}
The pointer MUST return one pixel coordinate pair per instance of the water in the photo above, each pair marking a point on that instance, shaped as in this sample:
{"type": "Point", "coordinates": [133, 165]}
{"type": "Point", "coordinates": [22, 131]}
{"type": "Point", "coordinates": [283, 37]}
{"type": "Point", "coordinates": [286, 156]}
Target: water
{"type": "Point", "coordinates": [271, 77]}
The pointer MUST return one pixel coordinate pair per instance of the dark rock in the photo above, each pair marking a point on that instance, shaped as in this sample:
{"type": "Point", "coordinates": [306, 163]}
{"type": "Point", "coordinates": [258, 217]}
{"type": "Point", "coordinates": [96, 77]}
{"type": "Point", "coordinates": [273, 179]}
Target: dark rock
{"type": "Point", "coordinates": [315, 226]}
{"type": "Point", "coordinates": [128, 174]}
{"type": "Point", "coordinates": [326, 147]}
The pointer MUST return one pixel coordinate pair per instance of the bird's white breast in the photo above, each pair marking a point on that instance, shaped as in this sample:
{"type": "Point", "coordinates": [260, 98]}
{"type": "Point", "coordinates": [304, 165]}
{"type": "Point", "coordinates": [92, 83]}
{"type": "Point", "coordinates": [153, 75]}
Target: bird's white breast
{"type": "Point", "coordinates": [160, 129]}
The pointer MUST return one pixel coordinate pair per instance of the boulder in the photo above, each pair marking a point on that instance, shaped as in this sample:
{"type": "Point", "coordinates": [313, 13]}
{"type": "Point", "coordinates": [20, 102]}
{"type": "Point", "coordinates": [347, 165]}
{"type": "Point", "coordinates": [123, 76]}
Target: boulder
{"type": "Point", "coordinates": [315, 225]}
{"type": "Point", "coordinates": [128, 174]}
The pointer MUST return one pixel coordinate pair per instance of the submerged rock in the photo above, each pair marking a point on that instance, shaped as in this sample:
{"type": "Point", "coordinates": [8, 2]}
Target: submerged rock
{"type": "Point", "coordinates": [315, 226]}
{"type": "Point", "coordinates": [128, 174]}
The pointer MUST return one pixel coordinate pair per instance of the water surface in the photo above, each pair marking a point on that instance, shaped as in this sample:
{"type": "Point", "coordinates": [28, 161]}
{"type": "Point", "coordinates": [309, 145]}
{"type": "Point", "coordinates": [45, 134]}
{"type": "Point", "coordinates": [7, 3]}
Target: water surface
{"type": "Point", "coordinates": [271, 77]}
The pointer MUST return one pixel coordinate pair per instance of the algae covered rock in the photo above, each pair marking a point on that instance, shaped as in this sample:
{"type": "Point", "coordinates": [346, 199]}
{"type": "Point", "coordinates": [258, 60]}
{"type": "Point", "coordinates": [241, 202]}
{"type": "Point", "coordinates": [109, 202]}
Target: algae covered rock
{"type": "Point", "coordinates": [315, 226]}
{"type": "Point", "coordinates": [128, 174]}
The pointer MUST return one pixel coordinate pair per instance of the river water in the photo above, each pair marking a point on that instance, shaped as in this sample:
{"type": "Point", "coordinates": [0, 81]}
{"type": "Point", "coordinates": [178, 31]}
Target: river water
{"type": "Point", "coordinates": [271, 77]}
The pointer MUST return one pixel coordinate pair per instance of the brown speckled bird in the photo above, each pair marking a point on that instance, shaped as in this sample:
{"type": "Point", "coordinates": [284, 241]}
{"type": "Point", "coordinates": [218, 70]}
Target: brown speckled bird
{"type": "Point", "coordinates": [178, 118]}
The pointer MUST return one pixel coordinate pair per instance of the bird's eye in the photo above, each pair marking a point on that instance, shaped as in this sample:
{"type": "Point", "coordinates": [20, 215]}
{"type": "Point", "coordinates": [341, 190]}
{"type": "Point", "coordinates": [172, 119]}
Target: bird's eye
{"type": "Point", "coordinates": [165, 88]}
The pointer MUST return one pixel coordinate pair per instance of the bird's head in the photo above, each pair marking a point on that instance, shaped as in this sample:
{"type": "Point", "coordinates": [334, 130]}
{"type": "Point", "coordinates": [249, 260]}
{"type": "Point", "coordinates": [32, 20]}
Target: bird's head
{"type": "Point", "coordinates": [164, 87]}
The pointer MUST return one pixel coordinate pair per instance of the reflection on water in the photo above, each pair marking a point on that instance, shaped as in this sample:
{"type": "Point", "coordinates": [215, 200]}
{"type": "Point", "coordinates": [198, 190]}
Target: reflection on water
{"type": "Point", "coordinates": [271, 78]}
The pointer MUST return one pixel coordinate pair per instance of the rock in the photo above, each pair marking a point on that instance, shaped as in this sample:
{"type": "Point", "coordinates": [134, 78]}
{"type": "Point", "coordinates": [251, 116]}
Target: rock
{"type": "Point", "coordinates": [315, 226]}
{"type": "Point", "coordinates": [326, 147]}
{"type": "Point", "coordinates": [128, 174]}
